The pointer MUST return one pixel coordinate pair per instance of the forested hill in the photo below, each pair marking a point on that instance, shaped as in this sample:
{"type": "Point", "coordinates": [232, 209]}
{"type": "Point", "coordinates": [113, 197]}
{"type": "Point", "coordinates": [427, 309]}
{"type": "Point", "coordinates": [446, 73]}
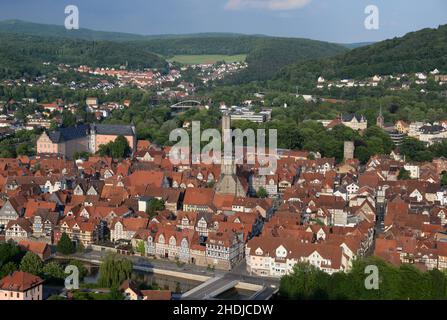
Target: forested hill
{"type": "Point", "coordinates": [265, 55]}
{"type": "Point", "coordinates": [24, 54]}
{"type": "Point", "coordinates": [422, 50]}
{"type": "Point", "coordinates": [47, 30]}
{"type": "Point", "coordinates": [272, 54]}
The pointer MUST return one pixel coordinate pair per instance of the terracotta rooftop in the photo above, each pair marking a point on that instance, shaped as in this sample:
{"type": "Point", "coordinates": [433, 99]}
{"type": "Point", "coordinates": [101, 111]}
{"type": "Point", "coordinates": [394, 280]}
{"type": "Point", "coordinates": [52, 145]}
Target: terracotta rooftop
{"type": "Point", "coordinates": [19, 281]}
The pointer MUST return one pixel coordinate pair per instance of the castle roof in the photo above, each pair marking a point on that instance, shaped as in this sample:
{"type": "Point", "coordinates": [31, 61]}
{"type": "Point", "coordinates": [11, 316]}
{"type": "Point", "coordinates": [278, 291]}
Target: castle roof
{"type": "Point", "coordinates": [67, 134]}
{"type": "Point", "coordinates": [112, 129]}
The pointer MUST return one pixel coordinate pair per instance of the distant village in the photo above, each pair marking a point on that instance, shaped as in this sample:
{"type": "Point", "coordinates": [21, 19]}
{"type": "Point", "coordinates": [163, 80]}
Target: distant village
{"type": "Point", "coordinates": [394, 82]}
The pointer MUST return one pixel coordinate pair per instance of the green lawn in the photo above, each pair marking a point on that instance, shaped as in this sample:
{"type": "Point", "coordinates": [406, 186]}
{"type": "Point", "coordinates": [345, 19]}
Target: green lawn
{"type": "Point", "coordinates": [207, 58]}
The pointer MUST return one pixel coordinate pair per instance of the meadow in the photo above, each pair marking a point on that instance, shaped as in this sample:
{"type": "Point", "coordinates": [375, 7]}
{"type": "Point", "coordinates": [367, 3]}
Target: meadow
{"type": "Point", "coordinates": [207, 58]}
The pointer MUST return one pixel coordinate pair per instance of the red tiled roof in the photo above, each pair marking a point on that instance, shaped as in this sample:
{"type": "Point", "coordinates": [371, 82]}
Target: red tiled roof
{"type": "Point", "coordinates": [156, 294]}
{"type": "Point", "coordinates": [38, 248]}
{"type": "Point", "coordinates": [198, 196]}
{"type": "Point", "coordinates": [19, 281]}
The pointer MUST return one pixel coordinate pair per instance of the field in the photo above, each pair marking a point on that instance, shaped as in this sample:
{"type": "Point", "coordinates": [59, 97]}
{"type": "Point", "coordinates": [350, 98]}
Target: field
{"type": "Point", "coordinates": [206, 58]}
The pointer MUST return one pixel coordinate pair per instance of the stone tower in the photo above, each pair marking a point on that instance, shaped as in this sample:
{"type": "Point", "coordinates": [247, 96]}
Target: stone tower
{"type": "Point", "coordinates": [228, 183]}
{"type": "Point", "coordinates": [348, 150]}
{"type": "Point", "coordinates": [380, 120]}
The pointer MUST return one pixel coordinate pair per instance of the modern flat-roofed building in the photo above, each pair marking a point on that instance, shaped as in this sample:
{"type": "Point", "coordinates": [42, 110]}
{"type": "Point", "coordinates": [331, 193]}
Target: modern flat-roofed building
{"type": "Point", "coordinates": [249, 116]}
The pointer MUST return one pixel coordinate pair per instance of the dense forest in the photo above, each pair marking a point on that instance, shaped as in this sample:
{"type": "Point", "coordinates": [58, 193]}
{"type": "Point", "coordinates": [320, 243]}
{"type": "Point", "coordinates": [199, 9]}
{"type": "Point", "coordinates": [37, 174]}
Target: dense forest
{"type": "Point", "coordinates": [37, 43]}
{"type": "Point", "coordinates": [47, 30]}
{"type": "Point", "coordinates": [270, 55]}
{"type": "Point", "coordinates": [420, 51]}
{"type": "Point", "coordinates": [24, 54]}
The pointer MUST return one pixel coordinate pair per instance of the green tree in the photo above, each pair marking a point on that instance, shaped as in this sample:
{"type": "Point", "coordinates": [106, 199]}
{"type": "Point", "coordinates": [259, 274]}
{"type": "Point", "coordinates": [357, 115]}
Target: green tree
{"type": "Point", "coordinates": [83, 272]}
{"type": "Point", "coordinates": [305, 282]}
{"type": "Point", "coordinates": [31, 263]}
{"type": "Point", "coordinates": [395, 283]}
{"type": "Point", "coordinates": [362, 153]}
{"type": "Point", "coordinates": [262, 193]}
{"type": "Point", "coordinates": [7, 268]}
{"type": "Point", "coordinates": [403, 174]}
{"type": "Point", "coordinates": [53, 270]}
{"type": "Point", "coordinates": [141, 249]}
{"type": "Point", "coordinates": [9, 252]}
{"type": "Point", "coordinates": [65, 246]}
{"type": "Point", "coordinates": [117, 149]}
{"type": "Point", "coordinates": [120, 148]}
{"type": "Point", "coordinates": [444, 178]}
{"type": "Point", "coordinates": [155, 205]}
{"type": "Point", "coordinates": [114, 270]}
{"type": "Point", "coordinates": [68, 119]}
{"type": "Point", "coordinates": [415, 150]}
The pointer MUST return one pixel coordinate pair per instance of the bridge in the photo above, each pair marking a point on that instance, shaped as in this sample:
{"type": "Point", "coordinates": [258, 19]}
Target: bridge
{"type": "Point", "coordinates": [213, 287]}
{"type": "Point", "coordinates": [186, 105]}
{"type": "Point", "coordinates": [212, 284]}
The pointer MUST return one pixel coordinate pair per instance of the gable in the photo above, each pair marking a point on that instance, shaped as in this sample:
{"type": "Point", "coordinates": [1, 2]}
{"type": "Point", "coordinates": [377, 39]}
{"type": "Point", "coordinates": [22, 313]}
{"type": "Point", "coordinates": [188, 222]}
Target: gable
{"type": "Point", "coordinates": [8, 210]}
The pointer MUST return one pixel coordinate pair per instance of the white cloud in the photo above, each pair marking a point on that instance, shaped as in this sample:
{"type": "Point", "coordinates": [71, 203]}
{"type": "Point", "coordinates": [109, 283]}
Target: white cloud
{"type": "Point", "coordinates": [266, 4]}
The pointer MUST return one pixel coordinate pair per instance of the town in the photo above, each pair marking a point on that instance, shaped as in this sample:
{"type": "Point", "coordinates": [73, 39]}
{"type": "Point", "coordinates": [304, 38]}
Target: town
{"type": "Point", "coordinates": [113, 185]}
{"type": "Point", "coordinates": [312, 210]}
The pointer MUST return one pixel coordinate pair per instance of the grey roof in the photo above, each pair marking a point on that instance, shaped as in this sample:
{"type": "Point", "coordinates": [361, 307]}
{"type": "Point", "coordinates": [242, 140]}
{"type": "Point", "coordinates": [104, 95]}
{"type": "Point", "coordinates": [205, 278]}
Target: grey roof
{"type": "Point", "coordinates": [113, 129]}
{"type": "Point", "coordinates": [431, 129]}
{"type": "Point", "coordinates": [82, 130]}
{"type": "Point", "coordinates": [71, 133]}
{"type": "Point", "coordinates": [350, 117]}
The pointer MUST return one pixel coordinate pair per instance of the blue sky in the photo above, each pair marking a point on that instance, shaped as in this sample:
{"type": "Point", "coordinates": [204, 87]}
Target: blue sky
{"type": "Point", "coordinates": [329, 20]}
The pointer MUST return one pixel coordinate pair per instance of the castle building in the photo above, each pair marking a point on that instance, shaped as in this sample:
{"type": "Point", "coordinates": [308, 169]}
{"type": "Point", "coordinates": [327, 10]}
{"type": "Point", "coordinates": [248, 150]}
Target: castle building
{"type": "Point", "coordinates": [357, 123]}
{"type": "Point", "coordinates": [84, 137]}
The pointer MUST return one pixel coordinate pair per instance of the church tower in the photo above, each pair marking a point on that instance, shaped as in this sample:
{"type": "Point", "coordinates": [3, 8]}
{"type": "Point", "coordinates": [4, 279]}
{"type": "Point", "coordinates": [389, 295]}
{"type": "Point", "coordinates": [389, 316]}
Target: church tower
{"type": "Point", "coordinates": [228, 183]}
{"type": "Point", "coordinates": [227, 166]}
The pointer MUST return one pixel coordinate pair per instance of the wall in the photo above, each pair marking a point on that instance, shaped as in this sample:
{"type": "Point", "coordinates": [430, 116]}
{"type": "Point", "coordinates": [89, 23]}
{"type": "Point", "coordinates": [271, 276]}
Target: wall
{"type": "Point", "coordinates": [32, 294]}
{"type": "Point", "coordinates": [105, 139]}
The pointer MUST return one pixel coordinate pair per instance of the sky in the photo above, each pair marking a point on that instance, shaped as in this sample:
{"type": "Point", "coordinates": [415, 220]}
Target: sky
{"type": "Point", "coordinates": [340, 21]}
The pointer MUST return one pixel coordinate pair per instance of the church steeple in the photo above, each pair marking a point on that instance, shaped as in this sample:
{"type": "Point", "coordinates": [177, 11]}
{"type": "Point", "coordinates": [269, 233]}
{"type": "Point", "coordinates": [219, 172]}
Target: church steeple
{"type": "Point", "coordinates": [228, 166]}
{"type": "Point", "coordinates": [229, 182]}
